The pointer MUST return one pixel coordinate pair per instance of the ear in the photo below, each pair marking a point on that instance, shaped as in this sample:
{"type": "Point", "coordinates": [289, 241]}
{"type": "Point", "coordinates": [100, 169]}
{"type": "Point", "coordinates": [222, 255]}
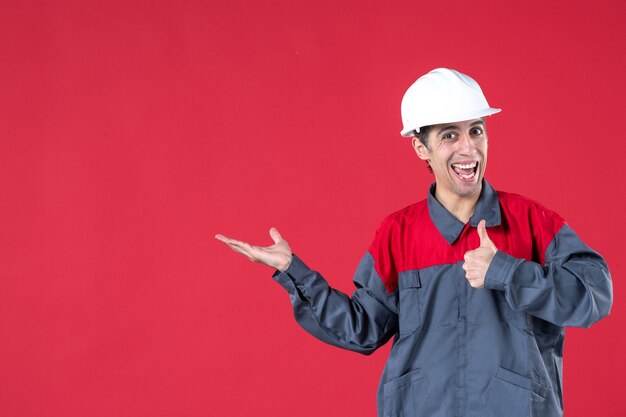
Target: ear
{"type": "Point", "coordinates": [421, 150]}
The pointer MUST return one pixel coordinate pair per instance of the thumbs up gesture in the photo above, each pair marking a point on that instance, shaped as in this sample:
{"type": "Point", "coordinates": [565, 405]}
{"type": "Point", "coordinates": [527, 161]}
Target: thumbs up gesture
{"type": "Point", "coordinates": [477, 261]}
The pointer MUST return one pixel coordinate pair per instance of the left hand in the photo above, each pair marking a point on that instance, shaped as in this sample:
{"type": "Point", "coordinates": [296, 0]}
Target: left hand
{"type": "Point", "coordinates": [477, 261]}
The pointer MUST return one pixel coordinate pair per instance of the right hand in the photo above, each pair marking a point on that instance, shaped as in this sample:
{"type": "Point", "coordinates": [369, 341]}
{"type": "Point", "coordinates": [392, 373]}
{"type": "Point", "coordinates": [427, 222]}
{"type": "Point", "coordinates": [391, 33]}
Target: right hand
{"type": "Point", "coordinates": [277, 256]}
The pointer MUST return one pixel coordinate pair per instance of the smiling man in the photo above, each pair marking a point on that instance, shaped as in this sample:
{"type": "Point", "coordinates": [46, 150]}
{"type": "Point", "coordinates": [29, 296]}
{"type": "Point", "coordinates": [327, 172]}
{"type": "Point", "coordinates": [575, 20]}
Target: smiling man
{"type": "Point", "coordinates": [474, 286]}
{"type": "Point", "coordinates": [457, 155]}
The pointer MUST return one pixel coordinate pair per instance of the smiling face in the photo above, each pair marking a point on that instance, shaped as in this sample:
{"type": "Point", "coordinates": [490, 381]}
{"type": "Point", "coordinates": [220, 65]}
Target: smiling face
{"type": "Point", "coordinates": [457, 154]}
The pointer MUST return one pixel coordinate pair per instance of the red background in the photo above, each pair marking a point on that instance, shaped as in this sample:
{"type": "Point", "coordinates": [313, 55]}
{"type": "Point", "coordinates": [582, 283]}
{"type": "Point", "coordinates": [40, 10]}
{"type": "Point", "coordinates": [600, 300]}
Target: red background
{"type": "Point", "coordinates": [132, 132]}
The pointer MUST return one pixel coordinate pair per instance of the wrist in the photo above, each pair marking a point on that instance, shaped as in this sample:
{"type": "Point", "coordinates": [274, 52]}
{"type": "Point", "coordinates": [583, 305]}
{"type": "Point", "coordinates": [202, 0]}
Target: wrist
{"type": "Point", "coordinates": [283, 267]}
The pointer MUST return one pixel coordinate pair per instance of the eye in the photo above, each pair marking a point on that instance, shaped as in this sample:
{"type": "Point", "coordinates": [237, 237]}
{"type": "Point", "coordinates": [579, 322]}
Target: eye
{"type": "Point", "coordinates": [448, 136]}
{"type": "Point", "coordinates": [476, 131]}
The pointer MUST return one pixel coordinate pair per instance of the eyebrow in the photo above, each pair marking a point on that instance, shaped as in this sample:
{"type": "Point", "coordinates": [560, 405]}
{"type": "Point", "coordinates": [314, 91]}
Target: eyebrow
{"type": "Point", "coordinates": [452, 127]}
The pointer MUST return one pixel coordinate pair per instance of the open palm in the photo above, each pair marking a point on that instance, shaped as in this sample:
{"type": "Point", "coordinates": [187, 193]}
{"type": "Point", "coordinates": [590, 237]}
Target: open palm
{"type": "Point", "coordinates": [276, 256]}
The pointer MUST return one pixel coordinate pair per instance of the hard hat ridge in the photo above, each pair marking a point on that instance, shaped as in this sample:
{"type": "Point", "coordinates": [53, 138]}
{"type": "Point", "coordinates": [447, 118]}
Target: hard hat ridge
{"type": "Point", "coordinates": [442, 96]}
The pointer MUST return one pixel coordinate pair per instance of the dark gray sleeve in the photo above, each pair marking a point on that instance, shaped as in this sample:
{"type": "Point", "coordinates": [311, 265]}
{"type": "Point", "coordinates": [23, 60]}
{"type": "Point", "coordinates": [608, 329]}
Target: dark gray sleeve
{"type": "Point", "coordinates": [362, 323]}
{"type": "Point", "coordinates": [573, 288]}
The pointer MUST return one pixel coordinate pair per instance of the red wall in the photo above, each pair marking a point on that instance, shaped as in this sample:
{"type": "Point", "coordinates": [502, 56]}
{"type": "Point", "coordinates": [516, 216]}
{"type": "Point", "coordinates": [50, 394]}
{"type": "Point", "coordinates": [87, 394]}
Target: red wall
{"type": "Point", "coordinates": [132, 132]}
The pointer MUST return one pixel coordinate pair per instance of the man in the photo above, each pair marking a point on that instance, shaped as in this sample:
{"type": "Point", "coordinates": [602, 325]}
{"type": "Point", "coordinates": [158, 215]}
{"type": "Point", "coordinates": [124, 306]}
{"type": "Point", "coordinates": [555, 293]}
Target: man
{"type": "Point", "coordinates": [475, 286]}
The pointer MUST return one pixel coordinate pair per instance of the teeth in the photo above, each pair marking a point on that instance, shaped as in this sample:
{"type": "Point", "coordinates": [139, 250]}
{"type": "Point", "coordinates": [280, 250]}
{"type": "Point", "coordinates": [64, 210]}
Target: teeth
{"type": "Point", "coordinates": [465, 166]}
{"type": "Point", "coordinates": [467, 177]}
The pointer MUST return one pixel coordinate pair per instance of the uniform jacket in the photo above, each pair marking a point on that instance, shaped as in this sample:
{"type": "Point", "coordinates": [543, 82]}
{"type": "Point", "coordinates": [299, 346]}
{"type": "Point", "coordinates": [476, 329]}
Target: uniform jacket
{"type": "Point", "coordinates": [460, 351]}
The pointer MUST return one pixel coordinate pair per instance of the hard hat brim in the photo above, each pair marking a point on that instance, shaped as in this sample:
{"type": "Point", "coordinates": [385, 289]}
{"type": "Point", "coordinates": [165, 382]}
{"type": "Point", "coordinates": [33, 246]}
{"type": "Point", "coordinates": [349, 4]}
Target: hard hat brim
{"type": "Point", "coordinates": [408, 132]}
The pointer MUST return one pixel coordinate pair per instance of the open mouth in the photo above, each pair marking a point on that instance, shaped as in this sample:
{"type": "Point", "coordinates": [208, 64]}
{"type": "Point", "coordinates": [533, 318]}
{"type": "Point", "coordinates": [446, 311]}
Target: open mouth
{"type": "Point", "coordinates": [466, 171]}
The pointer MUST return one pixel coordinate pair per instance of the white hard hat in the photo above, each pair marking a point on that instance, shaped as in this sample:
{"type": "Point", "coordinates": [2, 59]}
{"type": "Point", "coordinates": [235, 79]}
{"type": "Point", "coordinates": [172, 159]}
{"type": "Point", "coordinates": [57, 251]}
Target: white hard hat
{"type": "Point", "coordinates": [442, 96]}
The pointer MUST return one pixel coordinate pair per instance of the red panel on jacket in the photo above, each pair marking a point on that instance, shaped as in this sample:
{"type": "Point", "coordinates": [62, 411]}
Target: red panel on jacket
{"type": "Point", "coordinates": [408, 239]}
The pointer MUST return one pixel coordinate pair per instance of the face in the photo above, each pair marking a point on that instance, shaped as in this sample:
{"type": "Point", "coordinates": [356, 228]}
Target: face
{"type": "Point", "coordinates": [457, 154]}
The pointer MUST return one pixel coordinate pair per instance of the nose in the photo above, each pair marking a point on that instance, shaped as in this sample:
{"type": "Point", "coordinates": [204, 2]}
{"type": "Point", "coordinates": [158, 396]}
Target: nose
{"type": "Point", "coordinates": [466, 145]}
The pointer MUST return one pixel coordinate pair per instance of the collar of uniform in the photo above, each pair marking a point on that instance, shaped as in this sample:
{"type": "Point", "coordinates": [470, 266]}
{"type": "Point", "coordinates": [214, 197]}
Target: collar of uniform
{"type": "Point", "coordinates": [488, 208]}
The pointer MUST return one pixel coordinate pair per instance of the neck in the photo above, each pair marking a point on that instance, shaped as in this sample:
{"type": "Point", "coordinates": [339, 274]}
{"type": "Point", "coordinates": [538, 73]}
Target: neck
{"type": "Point", "coordinates": [461, 207]}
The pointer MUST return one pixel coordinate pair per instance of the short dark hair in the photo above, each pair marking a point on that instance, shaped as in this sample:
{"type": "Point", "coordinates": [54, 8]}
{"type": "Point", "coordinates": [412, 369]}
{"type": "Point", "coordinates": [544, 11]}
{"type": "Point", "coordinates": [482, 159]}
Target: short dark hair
{"type": "Point", "coordinates": [422, 135]}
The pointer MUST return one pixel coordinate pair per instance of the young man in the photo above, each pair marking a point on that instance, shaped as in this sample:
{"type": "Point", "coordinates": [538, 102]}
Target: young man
{"type": "Point", "coordinates": [475, 286]}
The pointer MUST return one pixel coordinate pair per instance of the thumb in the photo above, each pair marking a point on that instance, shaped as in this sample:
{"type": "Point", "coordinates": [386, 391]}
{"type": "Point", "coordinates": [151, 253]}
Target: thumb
{"type": "Point", "coordinates": [484, 237]}
{"type": "Point", "coordinates": [276, 237]}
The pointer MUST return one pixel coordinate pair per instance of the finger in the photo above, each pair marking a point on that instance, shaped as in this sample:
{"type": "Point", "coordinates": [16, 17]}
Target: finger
{"type": "Point", "coordinates": [221, 238]}
{"type": "Point", "coordinates": [245, 248]}
{"type": "Point", "coordinates": [472, 279]}
{"type": "Point", "coordinates": [230, 241]}
{"type": "Point", "coordinates": [242, 245]}
{"type": "Point", "coordinates": [482, 234]}
{"type": "Point", "coordinates": [225, 239]}
{"type": "Point", "coordinates": [276, 237]}
{"type": "Point", "coordinates": [241, 250]}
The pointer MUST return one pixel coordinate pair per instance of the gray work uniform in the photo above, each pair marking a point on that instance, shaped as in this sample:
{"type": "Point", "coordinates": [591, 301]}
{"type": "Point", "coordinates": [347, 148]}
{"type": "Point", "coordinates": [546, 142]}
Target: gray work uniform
{"type": "Point", "coordinates": [460, 351]}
